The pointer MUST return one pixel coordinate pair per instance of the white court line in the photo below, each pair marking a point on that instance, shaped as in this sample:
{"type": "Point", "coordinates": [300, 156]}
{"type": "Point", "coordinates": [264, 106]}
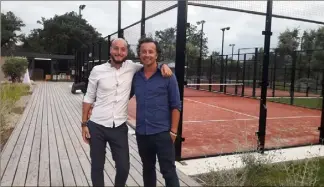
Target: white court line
{"type": "Point", "coordinates": [229, 110]}
{"type": "Point", "coordinates": [249, 119]}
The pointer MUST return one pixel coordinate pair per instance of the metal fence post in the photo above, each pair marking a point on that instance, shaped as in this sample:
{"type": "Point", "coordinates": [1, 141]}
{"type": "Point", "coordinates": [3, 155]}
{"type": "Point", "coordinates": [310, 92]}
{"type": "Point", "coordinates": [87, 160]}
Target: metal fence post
{"type": "Point", "coordinates": [255, 71]}
{"type": "Point", "coordinates": [293, 71]}
{"type": "Point", "coordinates": [274, 74]}
{"type": "Point", "coordinates": [263, 108]}
{"type": "Point", "coordinates": [238, 68]}
{"type": "Point", "coordinates": [143, 19]}
{"type": "Point", "coordinates": [210, 72]}
{"type": "Point", "coordinates": [243, 76]}
{"type": "Point", "coordinates": [99, 54]}
{"type": "Point", "coordinates": [180, 64]}
{"type": "Point", "coordinates": [109, 43]}
{"type": "Point", "coordinates": [119, 19]}
{"type": "Point", "coordinates": [226, 71]}
{"type": "Point", "coordinates": [321, 128]}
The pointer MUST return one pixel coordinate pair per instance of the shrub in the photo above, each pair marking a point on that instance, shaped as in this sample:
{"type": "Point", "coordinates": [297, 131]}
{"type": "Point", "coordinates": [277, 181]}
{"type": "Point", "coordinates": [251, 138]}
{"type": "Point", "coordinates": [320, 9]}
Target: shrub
{"type": "Point", "coordinates": [15, 67]}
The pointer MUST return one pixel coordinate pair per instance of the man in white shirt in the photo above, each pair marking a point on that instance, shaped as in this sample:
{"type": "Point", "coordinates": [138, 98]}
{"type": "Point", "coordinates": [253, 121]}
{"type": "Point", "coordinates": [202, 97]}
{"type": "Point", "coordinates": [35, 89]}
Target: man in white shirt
{"type": "Point", "coordinates": [108, 92]}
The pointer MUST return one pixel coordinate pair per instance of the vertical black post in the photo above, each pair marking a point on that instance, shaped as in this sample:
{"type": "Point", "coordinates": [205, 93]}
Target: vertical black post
{"type": "Point", "coordinates": [285, 77]}
{"type": "Point", "coordinates": [263, 108]}
{"type": "Point", "coordinates": [76, 60]}
{"type": "Point", "coordinates": [93, 59]}
{"type": "Point", "coordinates": [243, 76]}
{"type": "Point", "coordinates": [180, 64]}
{"type": "Point", "coordinates": [226, 71]}
{"type": "Point", "coordinates": [274, 74]}
{"type": "Point", "coordinates": [255, 70]}
{"type": "Point", "coordinates": [308, 71]}
{"type": "Point", "coordinates": [119, 19]}
{"type": "Point", "coordinates": [222, 67]}
{"type": "Point", "coordinates": [238, 68]}
{"type": "Point", "coordinates": [99, 54]}
{"type": "Point", "coordinates": [293, 71]}
{"type": "Point", "coordinates": [321, 128]}
{"type": "Point", "coordinates": [109, 44]}
{"type": "Point", "coordinates": [198, 73]}
{"type": "Point", "coordinates": [143, 19]}
{"type": "Point", "coordinates": [210, 72]}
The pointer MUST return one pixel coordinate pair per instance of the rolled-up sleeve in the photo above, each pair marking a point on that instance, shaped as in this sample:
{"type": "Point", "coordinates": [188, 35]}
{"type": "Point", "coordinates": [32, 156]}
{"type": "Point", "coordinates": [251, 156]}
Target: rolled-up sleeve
{"type": "Point", "coordinates": [174, 94]}
{"type": "Point", "coordinates": [90, 95]}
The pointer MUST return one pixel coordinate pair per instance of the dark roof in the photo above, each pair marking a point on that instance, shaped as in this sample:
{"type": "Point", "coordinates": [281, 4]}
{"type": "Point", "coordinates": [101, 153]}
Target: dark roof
{"type": "Point", "coordinates": [41, 55]}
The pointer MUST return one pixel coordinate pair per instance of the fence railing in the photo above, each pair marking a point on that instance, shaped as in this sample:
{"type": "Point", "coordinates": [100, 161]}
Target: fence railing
{"type": "Point", "coordinates": [263, 72]}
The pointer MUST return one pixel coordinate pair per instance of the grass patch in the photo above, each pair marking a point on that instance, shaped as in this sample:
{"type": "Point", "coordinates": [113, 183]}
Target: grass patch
{"type": "Point", "coordinates": [314, 103]}
{"type": "Point", "coordinates": [307, 172]}
{"type": "Point", "coordinates": [10, 93]}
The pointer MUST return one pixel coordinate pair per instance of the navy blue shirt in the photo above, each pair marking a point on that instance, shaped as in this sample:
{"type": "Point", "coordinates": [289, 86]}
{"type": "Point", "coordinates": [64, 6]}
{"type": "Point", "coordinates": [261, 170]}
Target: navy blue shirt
{"type": "Point", "coordinates": [156, 97]}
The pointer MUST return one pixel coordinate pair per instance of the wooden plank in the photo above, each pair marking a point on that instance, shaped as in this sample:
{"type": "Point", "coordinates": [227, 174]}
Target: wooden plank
{"type": "Point", "coordinates": [17, 134]}
{"type": "Point", "coordinates": [76, 103]}
{"type": "Point", "coordinates": [80, 152]}
{"type": "Point", "coordinates": [55, 164]}
{"type": "Point", "coordinates": [32, 173]}
{"type": "Point", "coordinates": [77, 131]}
{"type": "Point", "coordinates": [68, 178]}
{"type": "Point", "coordinates": [77, 171]}
{"type": "Point", "coordinates": [44, 167]}
{"type": "Point", "coordinates": [21, 172]}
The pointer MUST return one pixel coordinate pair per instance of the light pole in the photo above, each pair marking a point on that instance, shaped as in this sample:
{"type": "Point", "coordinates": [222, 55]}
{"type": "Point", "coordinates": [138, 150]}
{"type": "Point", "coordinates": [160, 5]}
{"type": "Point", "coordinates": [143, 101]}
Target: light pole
{"type": "Point", "coordinates": [222, 62]}
{"type": "Point", "coordinates": [202, 22]}
{"type": "Point", "coordinates": [81, 7]}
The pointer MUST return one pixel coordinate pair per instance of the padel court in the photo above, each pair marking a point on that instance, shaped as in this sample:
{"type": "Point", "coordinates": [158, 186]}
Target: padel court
{"type": "Point", "coordinates": [215, 123]}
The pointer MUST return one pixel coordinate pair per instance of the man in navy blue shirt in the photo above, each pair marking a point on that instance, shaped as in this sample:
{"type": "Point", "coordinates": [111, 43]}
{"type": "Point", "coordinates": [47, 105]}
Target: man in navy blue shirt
{"type": "Point", "coordinates": [157, 115]}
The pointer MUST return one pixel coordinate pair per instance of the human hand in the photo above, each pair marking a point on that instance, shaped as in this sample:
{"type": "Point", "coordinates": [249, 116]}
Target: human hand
{"type": "Point", "coordinates": [173, 137]}
{"type": "Point", "coordinates": [166, 71]}
{"type": "Point", "coordinates": [85, 134]}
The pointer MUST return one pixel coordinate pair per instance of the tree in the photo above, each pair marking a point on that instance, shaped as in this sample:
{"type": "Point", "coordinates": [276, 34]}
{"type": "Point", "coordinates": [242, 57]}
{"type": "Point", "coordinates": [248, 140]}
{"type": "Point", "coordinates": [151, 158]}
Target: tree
{"type": "Point", "coordinates": [14, 67]}
{"type": "Point", "coordinates": [167, 40]}
{"type": "Point", "coordinates": [61, 35]}
{"type": "Point", "coordinates": [10, 24]}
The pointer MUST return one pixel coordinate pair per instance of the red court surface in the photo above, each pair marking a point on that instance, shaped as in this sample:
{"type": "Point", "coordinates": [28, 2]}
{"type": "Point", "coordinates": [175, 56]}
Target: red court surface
{"type": "Point", "coordinates": [248, 91]}
{"type": "Point", "coordinates": [216, 124]}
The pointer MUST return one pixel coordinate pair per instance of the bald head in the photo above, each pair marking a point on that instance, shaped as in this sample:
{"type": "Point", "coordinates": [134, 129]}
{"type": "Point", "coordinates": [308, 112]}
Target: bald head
{"type": "Point", "coordinates": [118, 50]}
{"type": "Point", "coordinates": [119, 41]}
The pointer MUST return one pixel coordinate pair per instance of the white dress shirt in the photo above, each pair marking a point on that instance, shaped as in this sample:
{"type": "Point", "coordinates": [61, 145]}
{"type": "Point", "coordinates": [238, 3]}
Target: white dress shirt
{"type": "Point", "coordinates": [109, 89]}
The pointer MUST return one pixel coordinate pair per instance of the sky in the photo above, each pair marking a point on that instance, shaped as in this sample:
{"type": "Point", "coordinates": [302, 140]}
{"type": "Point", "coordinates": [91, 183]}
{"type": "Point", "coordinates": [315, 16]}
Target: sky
{"type": "Point", "coordinates": [245, 29]}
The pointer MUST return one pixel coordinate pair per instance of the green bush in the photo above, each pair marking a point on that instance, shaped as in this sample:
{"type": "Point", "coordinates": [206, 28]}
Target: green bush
{"type": "Point", "coordinates": [15, 67]}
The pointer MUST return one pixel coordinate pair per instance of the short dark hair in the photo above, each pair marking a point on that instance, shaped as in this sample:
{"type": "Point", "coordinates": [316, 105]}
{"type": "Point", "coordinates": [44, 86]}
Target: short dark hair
{"type": "Point", "coordinates": [149, 40]}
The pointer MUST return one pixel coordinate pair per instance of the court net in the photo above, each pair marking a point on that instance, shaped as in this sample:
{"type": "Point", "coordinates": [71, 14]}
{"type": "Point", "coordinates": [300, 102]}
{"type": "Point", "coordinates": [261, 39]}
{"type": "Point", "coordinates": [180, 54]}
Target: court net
{"type": "Point", "coordinates": [213, 89]}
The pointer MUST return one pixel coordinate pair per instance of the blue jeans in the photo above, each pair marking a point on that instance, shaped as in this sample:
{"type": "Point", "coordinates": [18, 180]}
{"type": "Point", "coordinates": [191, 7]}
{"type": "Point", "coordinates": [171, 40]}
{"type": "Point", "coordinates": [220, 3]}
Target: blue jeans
{"type": "Point", "coordinates": [161, 145]}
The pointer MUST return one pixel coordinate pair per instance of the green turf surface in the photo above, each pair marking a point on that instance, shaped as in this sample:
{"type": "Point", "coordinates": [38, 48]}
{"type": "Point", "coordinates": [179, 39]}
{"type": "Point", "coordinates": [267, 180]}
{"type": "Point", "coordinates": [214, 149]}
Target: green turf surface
{"type": "Point", "coordinates": [294, 173]}
{"type": "Point", "coordinates": [315, 103]}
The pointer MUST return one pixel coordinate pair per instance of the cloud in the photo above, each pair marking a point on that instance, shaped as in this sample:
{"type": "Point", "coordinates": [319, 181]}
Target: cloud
{"type": "Point", "coordinates": [246, 29]}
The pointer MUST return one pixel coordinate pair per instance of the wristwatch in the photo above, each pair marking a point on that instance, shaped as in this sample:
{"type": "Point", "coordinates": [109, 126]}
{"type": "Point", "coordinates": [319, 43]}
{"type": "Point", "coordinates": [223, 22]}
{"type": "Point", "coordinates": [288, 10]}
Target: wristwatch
{"type": "Point", "coordinates": [83, 124]}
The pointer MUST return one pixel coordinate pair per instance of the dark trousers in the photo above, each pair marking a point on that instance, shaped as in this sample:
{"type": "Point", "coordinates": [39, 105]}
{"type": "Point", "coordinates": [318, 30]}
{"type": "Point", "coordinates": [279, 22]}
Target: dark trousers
{"type": "Point", "coordinates": [160, 145]}
{"type": "Point", "coordinates": [117, 139]}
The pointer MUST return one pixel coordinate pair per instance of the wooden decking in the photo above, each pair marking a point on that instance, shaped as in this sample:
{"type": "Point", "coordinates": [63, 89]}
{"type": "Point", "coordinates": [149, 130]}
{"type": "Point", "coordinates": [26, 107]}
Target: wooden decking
{"type": "Point", "coordinates": [46, 147]}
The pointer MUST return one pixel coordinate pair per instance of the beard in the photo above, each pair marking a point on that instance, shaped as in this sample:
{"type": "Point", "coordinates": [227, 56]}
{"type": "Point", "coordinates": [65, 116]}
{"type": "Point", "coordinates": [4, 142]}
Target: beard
{"type": "Point", "coordinates": [118, 61]}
